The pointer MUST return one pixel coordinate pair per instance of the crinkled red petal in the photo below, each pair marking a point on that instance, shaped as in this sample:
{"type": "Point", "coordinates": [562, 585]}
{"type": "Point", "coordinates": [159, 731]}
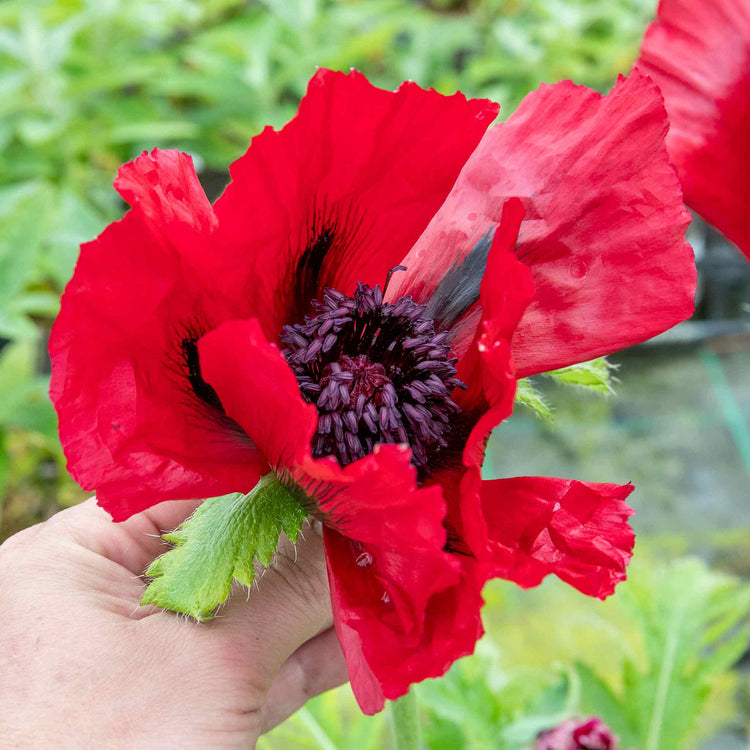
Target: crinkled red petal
{"type": "Point", "coordinates": [164, 188]}
{"type": "Point", "coordinates": [387, 567]}
{"type": "Point", "coordinates": [505, 294]}
{"type": "Point", "coordinates": [698, 53]}
{"type": "Point", "coordinates": [383, 658]}
{"type": "Point", "coordinates": [487, 367]}
{"type": "Point", "coordinates": [577, 530]}
{"type": "Point", "coordinates": [342, 192]}
{"type": "Point", "coordinates": [604, 227]}
{"type": "Point", "coordinates": [131, 426]}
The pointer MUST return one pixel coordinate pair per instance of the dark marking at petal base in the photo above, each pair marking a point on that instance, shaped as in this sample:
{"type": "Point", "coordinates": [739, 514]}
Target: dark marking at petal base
{"type": "Point", "coordinates": [334, 236]}
{"type": "Point", "coordinates": [199, 386]}
{"type": "Point", "coordinates": [458, 290]}
{"type": "Point", "coordinates": [311, 261]}
{"type": "Point", "coordinates": [456, 545]}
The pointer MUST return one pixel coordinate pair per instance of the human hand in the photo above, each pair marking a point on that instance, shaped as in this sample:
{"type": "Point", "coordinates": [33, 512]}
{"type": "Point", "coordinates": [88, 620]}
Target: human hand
{"type": "Point", "coordinates": [82, 665]}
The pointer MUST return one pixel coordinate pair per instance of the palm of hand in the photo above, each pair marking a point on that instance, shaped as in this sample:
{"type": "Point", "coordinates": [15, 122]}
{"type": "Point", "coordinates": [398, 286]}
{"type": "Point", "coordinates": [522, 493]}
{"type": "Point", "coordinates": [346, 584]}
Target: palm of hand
{"type": "Point", "coordinates": [83, 665]}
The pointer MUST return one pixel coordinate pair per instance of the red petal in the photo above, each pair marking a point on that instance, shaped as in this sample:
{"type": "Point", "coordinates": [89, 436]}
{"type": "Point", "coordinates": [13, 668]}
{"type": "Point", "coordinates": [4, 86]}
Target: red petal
{"type": "Point", "coordinates": [604, 228]}
{"type": "Point", "coordinates": [487, 368]}
{"type": "Point", "coordinates": [505, 293]}
{"type": "Point", "coordinates": [258, 390]}
{"type": "Point", "coordinates": [576, 530]}
{"type": "Point", "coordinates": [165, 188]}
{"type": "Point", "coordinates": [130, 424]}
{"type": "Point", "coordinates": [365, 685]}
{"type": "Point", "coordinates": [394, 536]}
{"type": "Point", "coordinates": [698, 52]}
{"type": "Point", "coordinates": [383, 659]}
{"type": "Point", "coordinates": [369, 167]}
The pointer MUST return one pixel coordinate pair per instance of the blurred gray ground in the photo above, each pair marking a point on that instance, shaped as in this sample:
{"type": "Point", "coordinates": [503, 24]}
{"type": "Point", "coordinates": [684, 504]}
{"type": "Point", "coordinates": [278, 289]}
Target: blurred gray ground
{"type": "Point", "coordinates": [678, 428]}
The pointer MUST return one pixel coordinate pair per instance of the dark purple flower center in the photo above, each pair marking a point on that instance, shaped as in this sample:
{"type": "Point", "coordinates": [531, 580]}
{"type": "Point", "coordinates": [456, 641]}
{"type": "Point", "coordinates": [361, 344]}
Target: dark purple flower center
{"type": "Point", "coordinates": [377, 372]}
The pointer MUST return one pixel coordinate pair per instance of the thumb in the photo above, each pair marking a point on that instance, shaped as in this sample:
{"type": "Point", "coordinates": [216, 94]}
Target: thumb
{"type": "Point", "coordinates": [263, 641]}
{"type": "Point", "coordinates": [288, 604]}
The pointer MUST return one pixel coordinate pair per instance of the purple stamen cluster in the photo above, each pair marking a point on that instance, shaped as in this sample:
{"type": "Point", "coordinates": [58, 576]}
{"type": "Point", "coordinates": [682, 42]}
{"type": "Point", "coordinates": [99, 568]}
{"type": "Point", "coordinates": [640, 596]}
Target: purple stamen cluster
{"type": "Point", "coordinates": [377, 372]}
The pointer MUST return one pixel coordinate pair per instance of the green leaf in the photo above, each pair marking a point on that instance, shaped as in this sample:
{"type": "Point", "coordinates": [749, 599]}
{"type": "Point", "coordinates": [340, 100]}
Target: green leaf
{"type": "Point", "coordinates": [39, 304]}
{"type": "Point", "coordinates": [16, 327]}
{"type": "Point", "coordinates": [595, 375]}
{"type": "Point", "coordinates": [530, 397]}
{"type": "Point", "coordinates": [220, 542]}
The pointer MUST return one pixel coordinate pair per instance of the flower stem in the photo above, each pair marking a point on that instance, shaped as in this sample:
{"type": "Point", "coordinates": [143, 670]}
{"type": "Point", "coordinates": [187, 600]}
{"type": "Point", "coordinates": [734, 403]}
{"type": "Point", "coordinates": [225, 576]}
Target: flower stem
{"type": "Point", "coordinates": [407, 733]}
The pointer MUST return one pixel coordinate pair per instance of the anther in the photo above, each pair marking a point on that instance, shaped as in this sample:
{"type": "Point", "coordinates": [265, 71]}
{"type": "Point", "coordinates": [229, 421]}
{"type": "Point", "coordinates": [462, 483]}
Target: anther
{"type": "Point", "coordinates": [377, 372]}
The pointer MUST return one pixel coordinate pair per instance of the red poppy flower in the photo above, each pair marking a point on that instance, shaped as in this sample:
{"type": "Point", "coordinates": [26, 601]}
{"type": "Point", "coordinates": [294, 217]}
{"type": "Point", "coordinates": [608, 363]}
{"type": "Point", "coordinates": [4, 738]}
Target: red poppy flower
{"type": "Point", "coordinates": [200, 347]}
{"type": "Point", "coordinates": [698, 52]}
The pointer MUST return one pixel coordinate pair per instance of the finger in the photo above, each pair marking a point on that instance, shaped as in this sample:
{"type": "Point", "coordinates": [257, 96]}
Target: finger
{"type": "Point", "coordinates": [259, 629]}
{"type": "Point", "coordinates": [165, 516]}
{"type": "Point", "coordinates": [314, 668]}
{"type": "Point", "coordinates": [144, 531]}
{"type": "Point", "coordinates": [132, 544]}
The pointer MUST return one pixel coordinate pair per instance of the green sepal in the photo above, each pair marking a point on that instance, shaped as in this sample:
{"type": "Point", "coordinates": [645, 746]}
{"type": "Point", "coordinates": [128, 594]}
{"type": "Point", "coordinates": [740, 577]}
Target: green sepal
{"type": "Point", "coordinates": [220, 542]}
{"type": "Point", "coordinates": [529, 396]}
{"type": "Point", "coordinates": [595, 375]}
